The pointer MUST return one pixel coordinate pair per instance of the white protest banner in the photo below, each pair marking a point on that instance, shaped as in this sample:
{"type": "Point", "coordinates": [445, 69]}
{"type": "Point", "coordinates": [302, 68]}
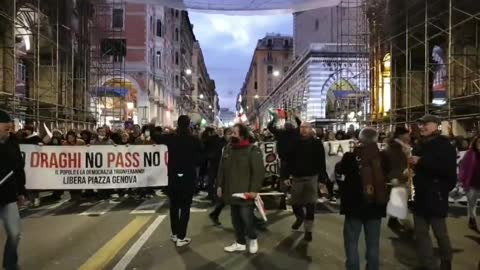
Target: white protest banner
{"type": "Point", "coordinates": [94, 167]}
{"type": "Point", "coordinates": [270, 158]}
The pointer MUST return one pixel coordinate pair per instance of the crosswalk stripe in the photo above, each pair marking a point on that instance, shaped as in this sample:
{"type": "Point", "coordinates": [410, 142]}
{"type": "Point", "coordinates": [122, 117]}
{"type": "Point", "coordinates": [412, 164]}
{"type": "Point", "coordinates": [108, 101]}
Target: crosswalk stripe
{"type": "Point", "coordinates": [99, 209]}
{"type": "Point", "coordinates": [149, 206]}
{"type": "Point", "coordinates": [133, 251]}
{"type": "Point", "coordinates": [48, 209]}
{"type": "Point", "coordinates": [197, 210]}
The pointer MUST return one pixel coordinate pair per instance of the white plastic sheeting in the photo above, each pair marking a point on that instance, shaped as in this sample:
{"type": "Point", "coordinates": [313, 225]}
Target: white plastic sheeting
{"type": "Point", "coordinates": [244, 7]}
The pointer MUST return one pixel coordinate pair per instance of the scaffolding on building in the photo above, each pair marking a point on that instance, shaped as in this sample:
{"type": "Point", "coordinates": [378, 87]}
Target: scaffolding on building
{"type": "Point", "coordinates": [108, 85]}
{"type": "Point", "coordinates": [352, 36]}
{"type": "Point", "coordinates": [434, 47]}
{"type": "Point", "coordinates": [44, 62]}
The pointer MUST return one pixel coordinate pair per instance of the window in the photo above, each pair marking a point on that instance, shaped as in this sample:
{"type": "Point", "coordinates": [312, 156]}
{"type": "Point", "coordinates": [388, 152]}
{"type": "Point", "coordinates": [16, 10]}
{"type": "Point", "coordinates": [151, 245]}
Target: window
{"type": "Point", "coordinates": [269, 56]}
{"type": "Point", "coordinates": [176, 81]}
{"type": "Point", "coordinates": [152, 57]}
{"type": "Point", "coordinates": [21, 72]}
{"type": "Point", "coordinates": [117, 18]}
{"type": "Point", "coordinates": [269, 43]}
{"type": "Point", "coordinates": [176, 58]}
{"type": "Point", "coordinates": [255, 85]}
{"type": "Point", "coordinates": [176, 13]}
{"type": "Point", "coordinates": [113, 47]}
{"type": "Point", "coordinates": [285, 43]}
{"type": "Point", "coordinates": [159, 28]}
{"type": "Point", "coordinates": [317, 24]}
{"type": "Point", "coordinates": [269, 69]}
{"type": "Point", "coordinates": [152, 25]}
{"type": "Point", "coordinates": [158, 59]}
{"type": "Point", "coordinates": [176, 34]}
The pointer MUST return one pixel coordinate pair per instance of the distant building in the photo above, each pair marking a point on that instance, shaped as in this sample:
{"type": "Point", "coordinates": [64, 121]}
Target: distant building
{"type": "Point", "coordinates": [270, 62]}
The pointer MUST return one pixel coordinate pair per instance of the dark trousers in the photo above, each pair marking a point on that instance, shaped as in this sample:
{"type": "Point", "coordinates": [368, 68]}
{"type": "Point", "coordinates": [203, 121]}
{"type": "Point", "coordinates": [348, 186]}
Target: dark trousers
{"type": "Point", "coordinates": [243, 223]}
{"type": "Point", "coordinates": [352, 228]}
{"type": "Point", "coordinates": [305, 213]}
{"type": "Point", "coordinates": [180, 213]}
{"type": "Point", "coordinates": [218, 208]}
{"type": "Point", "coordinates": [424, 242]}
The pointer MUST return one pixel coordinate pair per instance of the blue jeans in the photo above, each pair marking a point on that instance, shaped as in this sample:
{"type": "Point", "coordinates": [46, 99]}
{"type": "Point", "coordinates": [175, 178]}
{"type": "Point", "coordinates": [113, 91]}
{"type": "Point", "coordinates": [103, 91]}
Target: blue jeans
{"type": "Point", "coordinates": [351, 233]}
{"type": "Point", "coordinates": [11, 221]}
{"type": "Point", "coordinates": [243, 223]}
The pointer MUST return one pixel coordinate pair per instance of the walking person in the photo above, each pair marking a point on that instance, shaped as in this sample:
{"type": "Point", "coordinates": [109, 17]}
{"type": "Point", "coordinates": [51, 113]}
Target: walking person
{"type": "Point", "coordinates": [307, 168]}
{"type": "Point", "coordinates": [12, 190]}
{"type": "Point", "coordinates": [470, 179]}
{"type": "Point", "coordinates": [184, 152]}
{"type": "Point", "coordinates": [363, 199]}
{"type": "Point", "coordinates": [396, 155]}
{"type": "Point", "coordinates": [241, 171]}
{"type": "Point", "coordinates": [220, 204]}
{"type": "Point", "coordinates": [434, 163]}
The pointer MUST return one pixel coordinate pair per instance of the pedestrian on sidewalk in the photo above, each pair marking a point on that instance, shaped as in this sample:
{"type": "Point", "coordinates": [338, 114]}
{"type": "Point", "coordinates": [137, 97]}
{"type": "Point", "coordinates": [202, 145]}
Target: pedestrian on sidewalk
{"type": "Point", "coordinates": [363, 199]}
{"type": "Point", "coordinates": [470, 179]}
{"type": "Point", "coordinates": [435, 164]}
{"type": "Point", "coordinates": [184, 152]}
{"type": "Point", "coordinates": [306, 168]}
{"type": "Point", "coordinates": [12, 190]}
{"type": "Point", "coordinates": [241, 171]}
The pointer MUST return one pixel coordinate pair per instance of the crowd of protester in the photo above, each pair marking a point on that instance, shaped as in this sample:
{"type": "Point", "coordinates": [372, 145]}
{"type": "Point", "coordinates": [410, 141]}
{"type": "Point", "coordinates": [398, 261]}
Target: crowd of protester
{"type": "Point", "coordinates": [226, 162]}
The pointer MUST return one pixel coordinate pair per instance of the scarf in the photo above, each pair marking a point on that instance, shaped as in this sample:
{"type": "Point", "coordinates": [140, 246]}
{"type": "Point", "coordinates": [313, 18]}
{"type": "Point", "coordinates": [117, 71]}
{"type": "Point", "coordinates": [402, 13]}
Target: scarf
{"type": "Point", "coordinates": [242, 144]}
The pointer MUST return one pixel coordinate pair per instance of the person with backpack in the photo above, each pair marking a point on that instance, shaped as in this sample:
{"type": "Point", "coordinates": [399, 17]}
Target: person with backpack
{"type": "Point", "coordinates": [434, 161]}
{"type": "Point", "coordinates": [363, 199]}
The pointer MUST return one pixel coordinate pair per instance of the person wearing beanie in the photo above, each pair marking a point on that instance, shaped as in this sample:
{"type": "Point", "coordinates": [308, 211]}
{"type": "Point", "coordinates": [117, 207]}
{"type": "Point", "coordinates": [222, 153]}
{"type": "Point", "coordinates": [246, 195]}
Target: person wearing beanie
{"type": "Point", "coordinates": [12, 190]}
{"type": "Point", "coordinates": [434, 161]}
{"type": "Point", "coordinates": [363, 199]}
{"type": "Point", "coordinates": [184, 152]}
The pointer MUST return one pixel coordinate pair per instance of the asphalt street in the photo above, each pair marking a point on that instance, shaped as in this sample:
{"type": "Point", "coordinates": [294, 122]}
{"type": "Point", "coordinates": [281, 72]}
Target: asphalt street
{"type": "Point", "coordinates": [134, 234]}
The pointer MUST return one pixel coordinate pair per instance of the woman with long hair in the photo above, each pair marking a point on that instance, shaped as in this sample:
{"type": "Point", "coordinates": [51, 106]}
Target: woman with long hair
{"type": "Point", "coordinates": [470, 179]}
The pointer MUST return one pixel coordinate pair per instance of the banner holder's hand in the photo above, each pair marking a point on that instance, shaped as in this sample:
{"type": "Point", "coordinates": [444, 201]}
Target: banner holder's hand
{"type": "Point", "coordinates": [288, 182]}
{"type": "Point", "coordinates": [21, 200]}
{"type": "Point", "coordinates": [219, 192]}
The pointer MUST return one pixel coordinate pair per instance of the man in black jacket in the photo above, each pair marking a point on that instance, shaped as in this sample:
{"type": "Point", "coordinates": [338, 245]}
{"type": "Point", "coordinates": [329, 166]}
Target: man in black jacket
{"type": "Point", "coordinates": [184, 152]}
{"type": "Point", "coordinates": [306, 166]}
{"type": "Point", "coordinates": [434, 161]}
{"type": "Point", "coordinates": [285, 139]}
{"type": "Point", "coordinates": [12, 189]}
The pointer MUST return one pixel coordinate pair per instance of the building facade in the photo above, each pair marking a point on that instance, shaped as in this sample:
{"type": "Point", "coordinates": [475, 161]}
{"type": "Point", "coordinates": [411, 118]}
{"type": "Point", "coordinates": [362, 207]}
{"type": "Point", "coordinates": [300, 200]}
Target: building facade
{"type": "Point", "coordinates": [329, 80]}
{"type": "Point", "coordinates": [270, 62]}
{"type": "Point", "coordinates": [44, 62]}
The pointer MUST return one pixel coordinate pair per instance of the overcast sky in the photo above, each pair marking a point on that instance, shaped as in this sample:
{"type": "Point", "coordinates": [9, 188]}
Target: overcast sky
{"type": "Point", "coordinates": [228, 43]}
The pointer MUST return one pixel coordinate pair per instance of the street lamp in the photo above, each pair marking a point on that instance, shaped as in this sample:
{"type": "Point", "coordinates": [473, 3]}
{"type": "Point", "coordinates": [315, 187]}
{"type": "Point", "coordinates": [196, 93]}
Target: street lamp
{"type": "Point", "coordinates": [256, 97]}
{"type": "Point", "coordinates": [130, 106]}
{"type": "Point", "coordinates": [209, 106]}
{"type": "Point", "coordinates": [201, 96]}
{"type": "Point", "coordinates": [188, 71]}
{"type": "Point", "coordinates": [276, 73]}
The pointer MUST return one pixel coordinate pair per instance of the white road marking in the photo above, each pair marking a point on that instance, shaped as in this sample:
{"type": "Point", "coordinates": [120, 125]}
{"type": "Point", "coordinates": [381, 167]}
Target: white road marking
{"type": "Point", "coordinates": [99, 209]}
{"type": "Point", "coordinates": [197, 210]}
{"type": "Point", "coordinates": [149, 206]}
{"type": "Point", "coordinates": [133, 251]}
{"type": "Point", "coordinates": [47, 209]}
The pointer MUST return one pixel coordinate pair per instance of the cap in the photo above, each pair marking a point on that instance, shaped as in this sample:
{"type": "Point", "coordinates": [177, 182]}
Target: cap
{"type": "Point", "coordinates": [428, 118]}
{"type": "Point", "coordinates": [5, 117]}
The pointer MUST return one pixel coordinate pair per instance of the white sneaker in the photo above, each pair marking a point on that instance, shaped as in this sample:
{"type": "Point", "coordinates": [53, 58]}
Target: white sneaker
{"type": "Point", "coordinates": [253, 246]}
{"type": "Point", "coordinates": [183, 242]}
{"type": "Point", "coordinates": [173, 238]}
{"type": "Point", "coordinates": [235, 247]}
